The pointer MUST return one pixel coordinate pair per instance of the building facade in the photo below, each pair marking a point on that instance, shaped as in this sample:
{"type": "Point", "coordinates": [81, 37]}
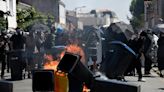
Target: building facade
{"type": "Point", "coordinates": [53, 7]}
{"type": "Point", "coordinates": [160, 4]}
{"type": "Point", "coordinates": [92, 18]}
{"type": "Point", "coordinates": [8, 7]}
{"type": "Point", "coordinates": [154, 12]}
{"type": "Point", "coordinates": [97, 17]}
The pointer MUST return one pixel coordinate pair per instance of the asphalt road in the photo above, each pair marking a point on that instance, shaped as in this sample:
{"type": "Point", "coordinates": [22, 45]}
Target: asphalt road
{"type": "Point", "coordinates": [153, 83]}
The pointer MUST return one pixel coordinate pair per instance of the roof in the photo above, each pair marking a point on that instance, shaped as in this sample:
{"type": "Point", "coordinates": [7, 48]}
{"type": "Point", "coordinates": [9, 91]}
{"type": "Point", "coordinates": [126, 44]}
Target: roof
{"type": "Point", "coordinates": [23, 6]}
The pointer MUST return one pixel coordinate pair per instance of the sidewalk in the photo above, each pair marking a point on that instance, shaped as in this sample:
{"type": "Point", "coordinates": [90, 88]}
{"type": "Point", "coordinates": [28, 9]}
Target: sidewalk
{"type": "Point", "coordinates": [153, 83]}
{"type": "Point", "coordinates": [24, 85]}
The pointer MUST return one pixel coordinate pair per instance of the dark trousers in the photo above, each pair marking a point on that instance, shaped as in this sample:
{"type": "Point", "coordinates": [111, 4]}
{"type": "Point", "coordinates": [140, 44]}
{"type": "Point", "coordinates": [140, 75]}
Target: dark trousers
{"type": "Point", "coordinates": [148, 63]}
{"type": "Point", "coordinates": [8, 62]}
{"type": "Point", "coordinates": [30, 64]}
{"type": "Point", "coordinates": [3, 62]}
{"type": "Point", "coordinates": [135, 64]}
{"type": "Point", "coordinates": [138, 67]}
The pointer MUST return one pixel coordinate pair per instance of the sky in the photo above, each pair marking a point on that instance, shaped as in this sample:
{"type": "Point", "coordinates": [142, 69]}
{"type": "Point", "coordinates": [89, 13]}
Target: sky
{"type": "Point", "coordinates": [120, 7]}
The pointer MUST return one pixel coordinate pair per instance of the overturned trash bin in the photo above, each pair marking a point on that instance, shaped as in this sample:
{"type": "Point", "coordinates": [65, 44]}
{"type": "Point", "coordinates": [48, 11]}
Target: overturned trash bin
{"type": "Point", "coordinates": [17, 64]}
{"type": "Point", "coordinates": [77, 72]}
{"type": "Point", "coordinates": [119, 57]}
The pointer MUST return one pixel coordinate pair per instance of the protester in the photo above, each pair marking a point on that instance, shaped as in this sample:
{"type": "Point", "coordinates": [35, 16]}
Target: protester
{"type": "Point", "coordinates": [50, 41]}
{"type": "Point", "coordinates": [3, 43]}
{"type": "Point", "coordinates": [30, 50]}
{"type": "Point", "coordinates": [40, 39]}
{"type": "Point", "coordinates": [136, 44]}
{"type": "Point", "coordinates": [160, 55]}
{"type": "Point", "coordinates": [7, 52]}
{"type": "Point", "coordinates": [146, 37]}
{"type": "Point", "coordinates": [18, 40]}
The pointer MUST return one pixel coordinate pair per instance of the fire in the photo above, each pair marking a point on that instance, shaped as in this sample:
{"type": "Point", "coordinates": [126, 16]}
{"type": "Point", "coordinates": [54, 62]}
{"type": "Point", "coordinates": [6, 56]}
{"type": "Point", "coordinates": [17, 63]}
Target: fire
{"type": "Point", "coordinates": [52, 64]}
{"type": "Point", "coordinates": [75, 49]}
{"type": "Point", "coordinates": [85, 89]}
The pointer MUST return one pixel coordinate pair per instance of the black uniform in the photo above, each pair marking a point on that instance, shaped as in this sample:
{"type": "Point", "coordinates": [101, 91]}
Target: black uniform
{"type": "Point", "coordinates": [3, 42]}
{"type": "Point", "coordinates": [160, 54]}
{"type": "Point", "coordinates": [17, 56]}
{"type": "Point", "coordinates": [146, 50]}
{"type": "Point", "coordinates": [136, 45]}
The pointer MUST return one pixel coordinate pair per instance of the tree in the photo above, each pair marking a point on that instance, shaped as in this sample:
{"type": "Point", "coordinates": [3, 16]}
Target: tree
{"type": "Point", "coordinates": [137, 11]}
{"type": "Point", "coordinates": [3, 24]}
{"type": "Point", "coordinates": [3, 21]}
{"type": "Point", "coordinates": [28, 17]}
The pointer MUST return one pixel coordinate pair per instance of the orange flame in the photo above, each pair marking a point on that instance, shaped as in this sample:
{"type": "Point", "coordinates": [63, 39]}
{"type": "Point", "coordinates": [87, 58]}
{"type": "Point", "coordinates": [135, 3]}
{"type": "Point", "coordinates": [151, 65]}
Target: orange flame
{"type": "Point", "coordinates": [75, 49]}
{"type": "Point", "coordinates": [85, 89]}
{"type": "Point", "coordinates": [52, 64]}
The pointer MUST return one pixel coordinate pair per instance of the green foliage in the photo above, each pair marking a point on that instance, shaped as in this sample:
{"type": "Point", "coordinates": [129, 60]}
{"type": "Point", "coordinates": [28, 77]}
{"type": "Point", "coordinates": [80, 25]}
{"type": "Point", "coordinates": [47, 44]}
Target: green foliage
{"type": "Point", "coordinates": [28, 17]}
{"type": "Point", "coordinates": [137, 22]}
{"type": "Point", "coordinates": [137, 7]}
{"type": "Point", "coordinates": [137, 11]}
{"type": "Point", "coordinates": [2, 24]}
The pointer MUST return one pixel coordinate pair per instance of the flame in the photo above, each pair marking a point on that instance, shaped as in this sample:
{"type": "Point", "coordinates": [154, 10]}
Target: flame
{"type": "Point", "coordinates": [85, 89]}
{"type": "Point", "coordinates": [75, 49]}
{"type": "Point", "coordinates": [48, 57]}
{"type": "Point", "coordinates": [52, 64]}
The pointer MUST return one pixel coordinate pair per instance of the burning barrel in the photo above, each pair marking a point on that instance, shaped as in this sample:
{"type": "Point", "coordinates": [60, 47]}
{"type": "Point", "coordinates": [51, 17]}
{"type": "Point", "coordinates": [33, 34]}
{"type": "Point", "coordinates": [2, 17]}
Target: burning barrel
{"type": "Point", "coordinates": [77, 75]}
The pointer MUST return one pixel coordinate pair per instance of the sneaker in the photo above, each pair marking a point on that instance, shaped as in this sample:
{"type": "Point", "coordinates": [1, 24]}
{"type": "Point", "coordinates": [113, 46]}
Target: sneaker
{"type": "Point", "coordinates": [142, 80]}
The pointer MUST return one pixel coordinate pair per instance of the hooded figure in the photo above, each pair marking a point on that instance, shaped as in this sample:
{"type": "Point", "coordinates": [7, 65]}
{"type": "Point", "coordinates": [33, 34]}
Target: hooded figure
{"type": "Point", "coordinates": [160, 54]}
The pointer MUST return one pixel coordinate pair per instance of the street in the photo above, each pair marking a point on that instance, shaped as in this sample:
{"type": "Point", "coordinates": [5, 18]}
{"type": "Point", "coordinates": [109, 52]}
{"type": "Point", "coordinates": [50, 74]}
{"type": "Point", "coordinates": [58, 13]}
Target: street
{"type": "Point", "coordinates": [93, 36]}
{"type": "Point", "coordinates": [153, 83]}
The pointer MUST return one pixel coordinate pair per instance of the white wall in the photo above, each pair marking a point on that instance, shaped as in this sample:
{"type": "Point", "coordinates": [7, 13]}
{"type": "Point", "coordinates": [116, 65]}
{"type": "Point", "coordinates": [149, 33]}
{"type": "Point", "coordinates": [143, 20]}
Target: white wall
{"type": "Point", "coordinates": [9, 5]}
{"type": "Point", "coordinates": [3, 6]}
{"type": "Point", "coordinates": [62, 14]}
{"type": "Point", "coordinates": [12, 23]}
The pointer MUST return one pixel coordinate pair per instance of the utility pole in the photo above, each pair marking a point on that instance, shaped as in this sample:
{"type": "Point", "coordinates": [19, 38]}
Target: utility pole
{"type": "Point", "coordinates": [77, 9]}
